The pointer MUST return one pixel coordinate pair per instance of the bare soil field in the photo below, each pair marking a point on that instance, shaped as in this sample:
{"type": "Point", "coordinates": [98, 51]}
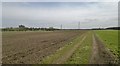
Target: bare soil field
{"type": "Point", "coordinates": [32, 47]}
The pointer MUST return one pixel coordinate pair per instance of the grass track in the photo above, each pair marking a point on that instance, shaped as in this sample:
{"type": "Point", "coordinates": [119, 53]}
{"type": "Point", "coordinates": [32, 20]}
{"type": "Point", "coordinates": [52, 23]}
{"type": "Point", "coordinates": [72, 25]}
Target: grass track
{"type": "Point", "coordinates": [83, 53]}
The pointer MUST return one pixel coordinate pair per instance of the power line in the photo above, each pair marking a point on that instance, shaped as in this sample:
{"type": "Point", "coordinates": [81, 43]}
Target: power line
{"type": "Point", "coordinates": [61, 26]}
{"type": "Point", "coordinates": [78, 25]}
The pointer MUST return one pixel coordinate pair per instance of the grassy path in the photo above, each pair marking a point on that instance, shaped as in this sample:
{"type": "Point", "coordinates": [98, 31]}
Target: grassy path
{"type": "Point", "coordinates": [68, 54]}
{"type": "Point", "coordinates": [83, 52]}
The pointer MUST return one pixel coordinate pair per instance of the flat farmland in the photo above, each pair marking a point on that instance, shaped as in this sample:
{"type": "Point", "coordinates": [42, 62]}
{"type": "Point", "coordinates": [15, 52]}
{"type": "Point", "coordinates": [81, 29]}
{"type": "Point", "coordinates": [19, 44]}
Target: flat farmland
{"type": "Point", "coordinates": [31, 47]}
{"type": "Point", "coordinates": [60, 47]}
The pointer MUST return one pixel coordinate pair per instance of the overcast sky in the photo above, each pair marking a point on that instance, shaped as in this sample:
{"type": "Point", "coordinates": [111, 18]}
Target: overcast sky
{"type": "Point", "coordinates": [59, 0]}
{"type": "Point", "coordinates": [53, 14]}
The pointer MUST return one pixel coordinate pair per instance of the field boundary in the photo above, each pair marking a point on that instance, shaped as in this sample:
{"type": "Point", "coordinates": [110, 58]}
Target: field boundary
{"type": "Point", "coordinates": [69, 53]}
{"type": "Point", "coordinates": [83, 52]}
{"type": "Point", "coordinates": [52, 58]}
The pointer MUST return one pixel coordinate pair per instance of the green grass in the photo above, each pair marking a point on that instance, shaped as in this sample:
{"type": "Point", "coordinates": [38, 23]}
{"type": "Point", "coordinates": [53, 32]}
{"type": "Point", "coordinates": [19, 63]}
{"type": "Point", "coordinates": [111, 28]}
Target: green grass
{"type": "Point", "coordinates": [61, 51]}
{"type": "Point", "coordinates": [110, 38]}
{"type": "Point", "coordinates": [83, 53]}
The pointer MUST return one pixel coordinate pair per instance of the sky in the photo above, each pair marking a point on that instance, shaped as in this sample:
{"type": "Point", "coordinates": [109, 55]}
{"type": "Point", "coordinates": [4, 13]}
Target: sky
{"type": "Point", "coordinates": [55, 14]}
{"type": "Point", "coordinates": [59, 0]}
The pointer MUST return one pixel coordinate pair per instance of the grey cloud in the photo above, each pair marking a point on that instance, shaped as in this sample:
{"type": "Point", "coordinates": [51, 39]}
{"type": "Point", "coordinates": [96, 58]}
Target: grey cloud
{"type": "Point", "coordinates": [105, 14]}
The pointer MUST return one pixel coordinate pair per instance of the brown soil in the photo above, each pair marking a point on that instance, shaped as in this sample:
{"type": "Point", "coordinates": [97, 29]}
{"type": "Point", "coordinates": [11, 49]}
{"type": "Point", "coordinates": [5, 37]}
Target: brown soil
{"type": "Point", "coordinates": [100, 54]}
{"type": "Point", "coordinates": [32, 47]}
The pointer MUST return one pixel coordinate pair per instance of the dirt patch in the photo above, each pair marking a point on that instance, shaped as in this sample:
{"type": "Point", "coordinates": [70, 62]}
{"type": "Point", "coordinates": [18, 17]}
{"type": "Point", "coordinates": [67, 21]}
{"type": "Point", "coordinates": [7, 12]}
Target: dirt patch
{"type": "Point", "coordinates": [32, 47]}
{"type": "Point", "coordinates": [100, 54]}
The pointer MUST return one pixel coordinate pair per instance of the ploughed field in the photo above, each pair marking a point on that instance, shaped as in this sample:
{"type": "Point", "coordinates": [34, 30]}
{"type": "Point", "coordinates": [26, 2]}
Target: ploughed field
{"type": "Point", "coordinates": [60, 47]}
{"type": "Point", "coordinates": [32, 47]}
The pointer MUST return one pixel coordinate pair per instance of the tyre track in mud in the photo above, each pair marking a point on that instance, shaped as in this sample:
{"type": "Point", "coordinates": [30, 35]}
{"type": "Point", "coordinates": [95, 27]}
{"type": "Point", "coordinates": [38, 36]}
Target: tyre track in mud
{"type": "Point", "coordinates": [100, 54]}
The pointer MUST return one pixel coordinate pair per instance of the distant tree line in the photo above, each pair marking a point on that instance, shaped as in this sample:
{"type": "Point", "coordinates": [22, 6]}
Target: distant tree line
{"type": "Point", "coordinates": [114, 28]}
{"type": "Point", "coordinates": [23, 28]}
{"type": "Point", "coordinates": [109, 28]}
